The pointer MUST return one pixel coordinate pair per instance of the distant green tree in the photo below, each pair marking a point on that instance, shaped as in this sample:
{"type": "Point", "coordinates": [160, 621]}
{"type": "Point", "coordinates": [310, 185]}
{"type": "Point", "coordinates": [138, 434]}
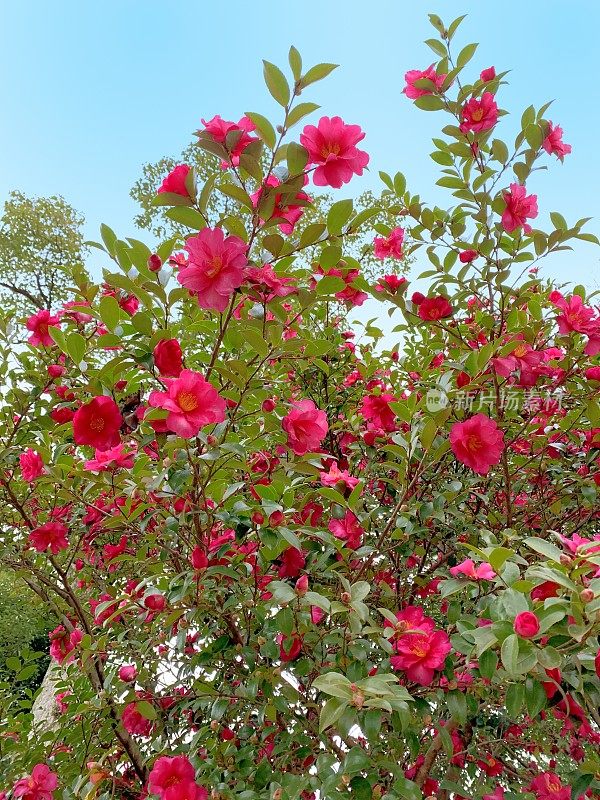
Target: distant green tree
{"type": "Point", "coordinates": [41, 245]}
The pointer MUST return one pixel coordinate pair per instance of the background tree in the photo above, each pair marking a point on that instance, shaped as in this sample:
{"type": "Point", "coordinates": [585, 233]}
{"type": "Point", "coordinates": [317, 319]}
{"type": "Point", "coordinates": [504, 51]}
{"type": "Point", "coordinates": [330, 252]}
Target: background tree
{"type": "Point", "coordinates": [41, 248]}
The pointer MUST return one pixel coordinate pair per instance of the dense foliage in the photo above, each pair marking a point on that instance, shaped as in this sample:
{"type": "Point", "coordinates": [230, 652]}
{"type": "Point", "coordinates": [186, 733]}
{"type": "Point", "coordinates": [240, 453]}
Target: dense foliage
{"type": "Point", "coordinates": [289, 563]}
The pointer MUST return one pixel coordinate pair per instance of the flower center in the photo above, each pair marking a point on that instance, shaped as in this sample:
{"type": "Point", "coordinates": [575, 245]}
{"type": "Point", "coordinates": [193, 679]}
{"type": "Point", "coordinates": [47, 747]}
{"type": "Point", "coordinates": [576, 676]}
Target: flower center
{"type": "Point", "coordinates": [419, 647]}
{"type": "Point", "coordinates": [477, 115]}
{"type": "Point", "coordinates": [520, 351]}
{"type": "Point", "coordinates": [330, 149]}
{"type": "Point", "coordinates": [216, 266]}
{"type": "Point", "coordinates": [97, 424]}
{"type": "Point", "coordinates": [473, 444]}
{"type": "Point", "coordinates": [187, 401]}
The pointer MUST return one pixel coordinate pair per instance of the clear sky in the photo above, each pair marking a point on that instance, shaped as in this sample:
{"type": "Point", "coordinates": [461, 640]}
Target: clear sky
{"type": "Point", "coordinates": [92, 90]}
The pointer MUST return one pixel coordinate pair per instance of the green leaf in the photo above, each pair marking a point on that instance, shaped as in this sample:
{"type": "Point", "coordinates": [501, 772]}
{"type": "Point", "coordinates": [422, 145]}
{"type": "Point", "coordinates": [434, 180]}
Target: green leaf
{"type": "Point", "coordinates": [465, 55]}
{"type": "Point", "coordinates": [110, 312]}
{"type": "Point", "coordinates": [264, 128]}
{"type": "Point", "coordinates": [331, 712]}
{"type": "Point", "coordinates": [515, 696]}
{"type": "Point", "coordinates": [372, 723]}
{"type": "Point", "coordinates": [276, 83]}
{"type": "Point", "coordinates": [509, 653]}
{"type": "Point", "coordinates": [146, 709]}
{"type": "Point", "coordinates": [299, 112]}
{"type": "Point", "coordinates": [457, 705]}
{"type": "Point", "coordinates": [361, 788]}
{"type": "Point", "coordinates": [429, 102]}
{"type": "Point", "coordinates": [317, 73]}
{"type": "Point", "coordinates": [535, 697]}
{"type": "Point", "coordinates": [488, 663]}
{"type": "Point", "coordinates": [297, 158]}
{"type": "Point", "coordinates": [330, 284]}
{"type": "Point", "coordinates": [544, 547]}
{"type": "Point", "coordinates": [500, 151]}
{"type": "Point", "coordinates": [187, 216]}
{"type": "Point", "coordinates": [338, 215]}
{"type": "Point", "coordinates": [76, 347]}
{"type": "Point", "coordinates": [295, 61]}
{"type": "Point", "coordinates": [109, 237]}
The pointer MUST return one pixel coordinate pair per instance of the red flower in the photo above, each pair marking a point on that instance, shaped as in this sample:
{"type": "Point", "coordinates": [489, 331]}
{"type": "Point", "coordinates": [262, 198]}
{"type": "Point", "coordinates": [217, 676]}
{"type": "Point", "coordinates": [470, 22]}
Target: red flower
{"type": "Point", "coordinates": [174, 778]}
{"type": "Point", "coordinates": [51, 536]}
{"type": "Point", "coordinates": [306, 427]}
{"type": "Point", "coordinates": [40, 785]}
{"type": "Point", "coordinates": [292, 561]}
{"type": "Point", "coordinates": [467, 256]}
{"type": "Point", "coordinates": [285, 208]}
{"type": "Point", "coordinates": [97, 423]}
{"type": "Point", "coordinates": [477, 442]}
{"type": "Point", "coordinates": [413, 75]}
{"type": "Point", "coordinates": [526, 624]}
{"type": "Point", "coordinates": [547, 786]}
{"type": "Point", "coordinates": [520, 206]}
{"type": "Point", "coordinates": [376, 409]}
{"type": "Point", "coordinates": [390, 246]}
{"type": "Point", "coordinates": [421, 650]}
{"type": "Point", "coordinates": [176, 182]}
{"type": "Point", "coordinates": [63, 644]}
{"type": "Point", "coordinates": [553, 142]}
{"type": "Point", "coordinates": [290, 647]}
{"type": "Point", "coordinates": [433, 308]}
{"type": "Point", "coordinates": [487, 74]}
{"type": "Point", "coordinates": [191, 401]}
{"type": "Point", "coordinates": [32, 465]}
{"type": "Point", "coordinates": [38, 324]}
{"type": "Point", "coordinates": [348, 529]}
{"type": "Point", "coordinates": [479, 115]}
{"type": "Point", "coordinates": [134, 722]}
{"type": "Point", "coordinates": [168, 358]}
{"type": "Point", "coordinates": [113, 458]}
{"type": "Point", "coordinates": [331, 145]}
{"type": "Point", "coordinates": [234, 136]}
{"type": "Point", "coordinates": [215, 267]}
{"type": "Point", "coordinates": [390, 283]}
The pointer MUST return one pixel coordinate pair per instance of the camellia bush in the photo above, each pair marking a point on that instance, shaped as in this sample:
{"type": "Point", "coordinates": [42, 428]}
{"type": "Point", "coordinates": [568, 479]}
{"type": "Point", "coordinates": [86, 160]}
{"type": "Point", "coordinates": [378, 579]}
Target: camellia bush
{"type": "Point", "coordinates": [286, 562]}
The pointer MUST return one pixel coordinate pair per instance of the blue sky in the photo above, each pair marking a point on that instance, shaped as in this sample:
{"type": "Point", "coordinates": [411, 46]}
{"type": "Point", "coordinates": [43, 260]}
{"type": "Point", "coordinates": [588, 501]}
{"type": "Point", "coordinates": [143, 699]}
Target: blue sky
{"type": "Point", "coordinates": [91, 91]}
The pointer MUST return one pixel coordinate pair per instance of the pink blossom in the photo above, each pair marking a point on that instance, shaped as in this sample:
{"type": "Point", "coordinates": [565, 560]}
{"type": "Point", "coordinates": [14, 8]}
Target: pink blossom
{"type": "Point", "coordinates": [376, 409]}
{"type": "Point", "coordinates": [547, 786]}
{"type": "Point", "coordinates": [520, 206]}
{"type": "Point", "coordinates": [431, 309]}
{"type": "Point", "coordinates": [487, 75]}
{"type": "Point", "coordinates": [174, 778]}
{"type": "Point", "coordinates": [288, 207]}
{"type": "Point", "coordinates": [176, 182]}
{"type": "Point", "coordinates": [421, 650]}
{"type": "Point", "coordinates": [191, 401]}
{"type": "Point", "coordinates": [63, 644]}
{"type": "Point", "coordinates": [306, 427]}
{"type": "Point", "coordinates": [40, 785]}
{"type": "Point", "coordinates": [114, 458]}
{"type": "Point", "coordinates": [390, 283]}
{"type": "Point", "coordinates": [553, 142]}
{"type": "Point", "coordinates": [337, 477]}
{"type": "Point", "coordinates": [526, 624]}
{"type": "Point", "coordinates": [413, 75]}
{"type": "Point", "coordinates": [32, 465]}
{"type": "Point", "coordinates": [479, 115]}
{"type": "Point", "coordinates": [50, 536]}
{"type": "Point", "coordinates": [483, 571]}
{"type": "Point", "coordinates": [215, 267]}
{"type": "Point", "coordinates": [38, 324]}
{"type": "Point", "coordinates": [348, 529]}
{"type": "Point", "coordinates": [331, 145]}
{"type": "Point", "coordinates": [477, 442]}
{"type": "Point", "coordinates": [389, 246]}
{"type": "Point", "coordinates": [234, 136]}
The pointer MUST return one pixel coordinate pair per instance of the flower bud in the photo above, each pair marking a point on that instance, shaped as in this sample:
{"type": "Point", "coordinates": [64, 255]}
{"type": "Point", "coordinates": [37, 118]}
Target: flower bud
{"type": "Point", "coordinates": [127, 673]}
{"type": "Point", "coordinates": [154, 262]}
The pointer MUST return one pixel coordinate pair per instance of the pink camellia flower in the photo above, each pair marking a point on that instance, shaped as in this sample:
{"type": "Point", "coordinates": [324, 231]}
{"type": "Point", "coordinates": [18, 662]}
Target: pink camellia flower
{"type": "Point", "coordinates": [389, 246]}
{"type": "Point", "coordinates": [63, 644]}
{"type": "Point", "coordinates": [553, 142]}
{"type": "Point", "coordinates": [284, 207]}
{"type": "Point", "coordinates": [376, 409]}
{"type": "Point", "coordinates": [339, 478]}
{"type": "Point", "coordinates": [168, 358]}
{"type": "Point", "coordinates": [234, 136]}
{"type": "Point", "coordinates": [306, 427]}
{"type": "Point", "coordinates": [191, 401]}
{"type": "Point", "coordinates": [413, 75]}
{"type": "Point", "coordinates": [487, 75]}
{"type": "Point", "coordinates": [547, 786]}
{"type": "Point", "coordinates": [135, 722]}
{"type": "Point", "coordinates": [390, 283]}
{"type": "Point", "coordinates": [51, 536]}
{"type": "Point", "coordinates": [98, 423]}
{"type": "Point", "coordinates": [576, 315]}
{"type": "Point", "coordinates": [175, 182]}
{"type": "Point", "coordinates": [520, 206]}
{"type": "Point", "coordinates": [348, 529]}
{"type": "Point", "coordinates": [215, 267]}
{"type": "Point", "coordinates": [592, 374]}
{"type": "Point", "coordinates": [32, 465]}
{"type": "Point", "coordinates": [113, 458]}
{"type": "Point", "coordinates": [174, 778]}
{"type": "Point", "coordinates": [477, 442]}
{"type": "Point", "coordinates": [523, 359]}
{"type": "Point", "coordinates": [481, 572]}
{"type": "Point", "coordinates": [479, 115]}
{"type": "Point", "coordinates": [331, 145]}
{"type": "Point", "coordinates": [420, 650]}
{"type": "Point", "coordinates": [127, 673]}
{"type": "Point", "coordinates": [467, 256]}
{"type": "Point", "coordinates": [292, 561]}
{"type": "Point", "coordinates": [434, 308]}
{"type": "Point", "coordinates": [290, 647]}
{"type": "Point", "coordinates": [40, 785]}
{"type": "Point", "coordinates": [597, 663]}
{"type": "Point", "coordinates": [38, 324]}
{"type": "Point", "coordinates": [526, 624]}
